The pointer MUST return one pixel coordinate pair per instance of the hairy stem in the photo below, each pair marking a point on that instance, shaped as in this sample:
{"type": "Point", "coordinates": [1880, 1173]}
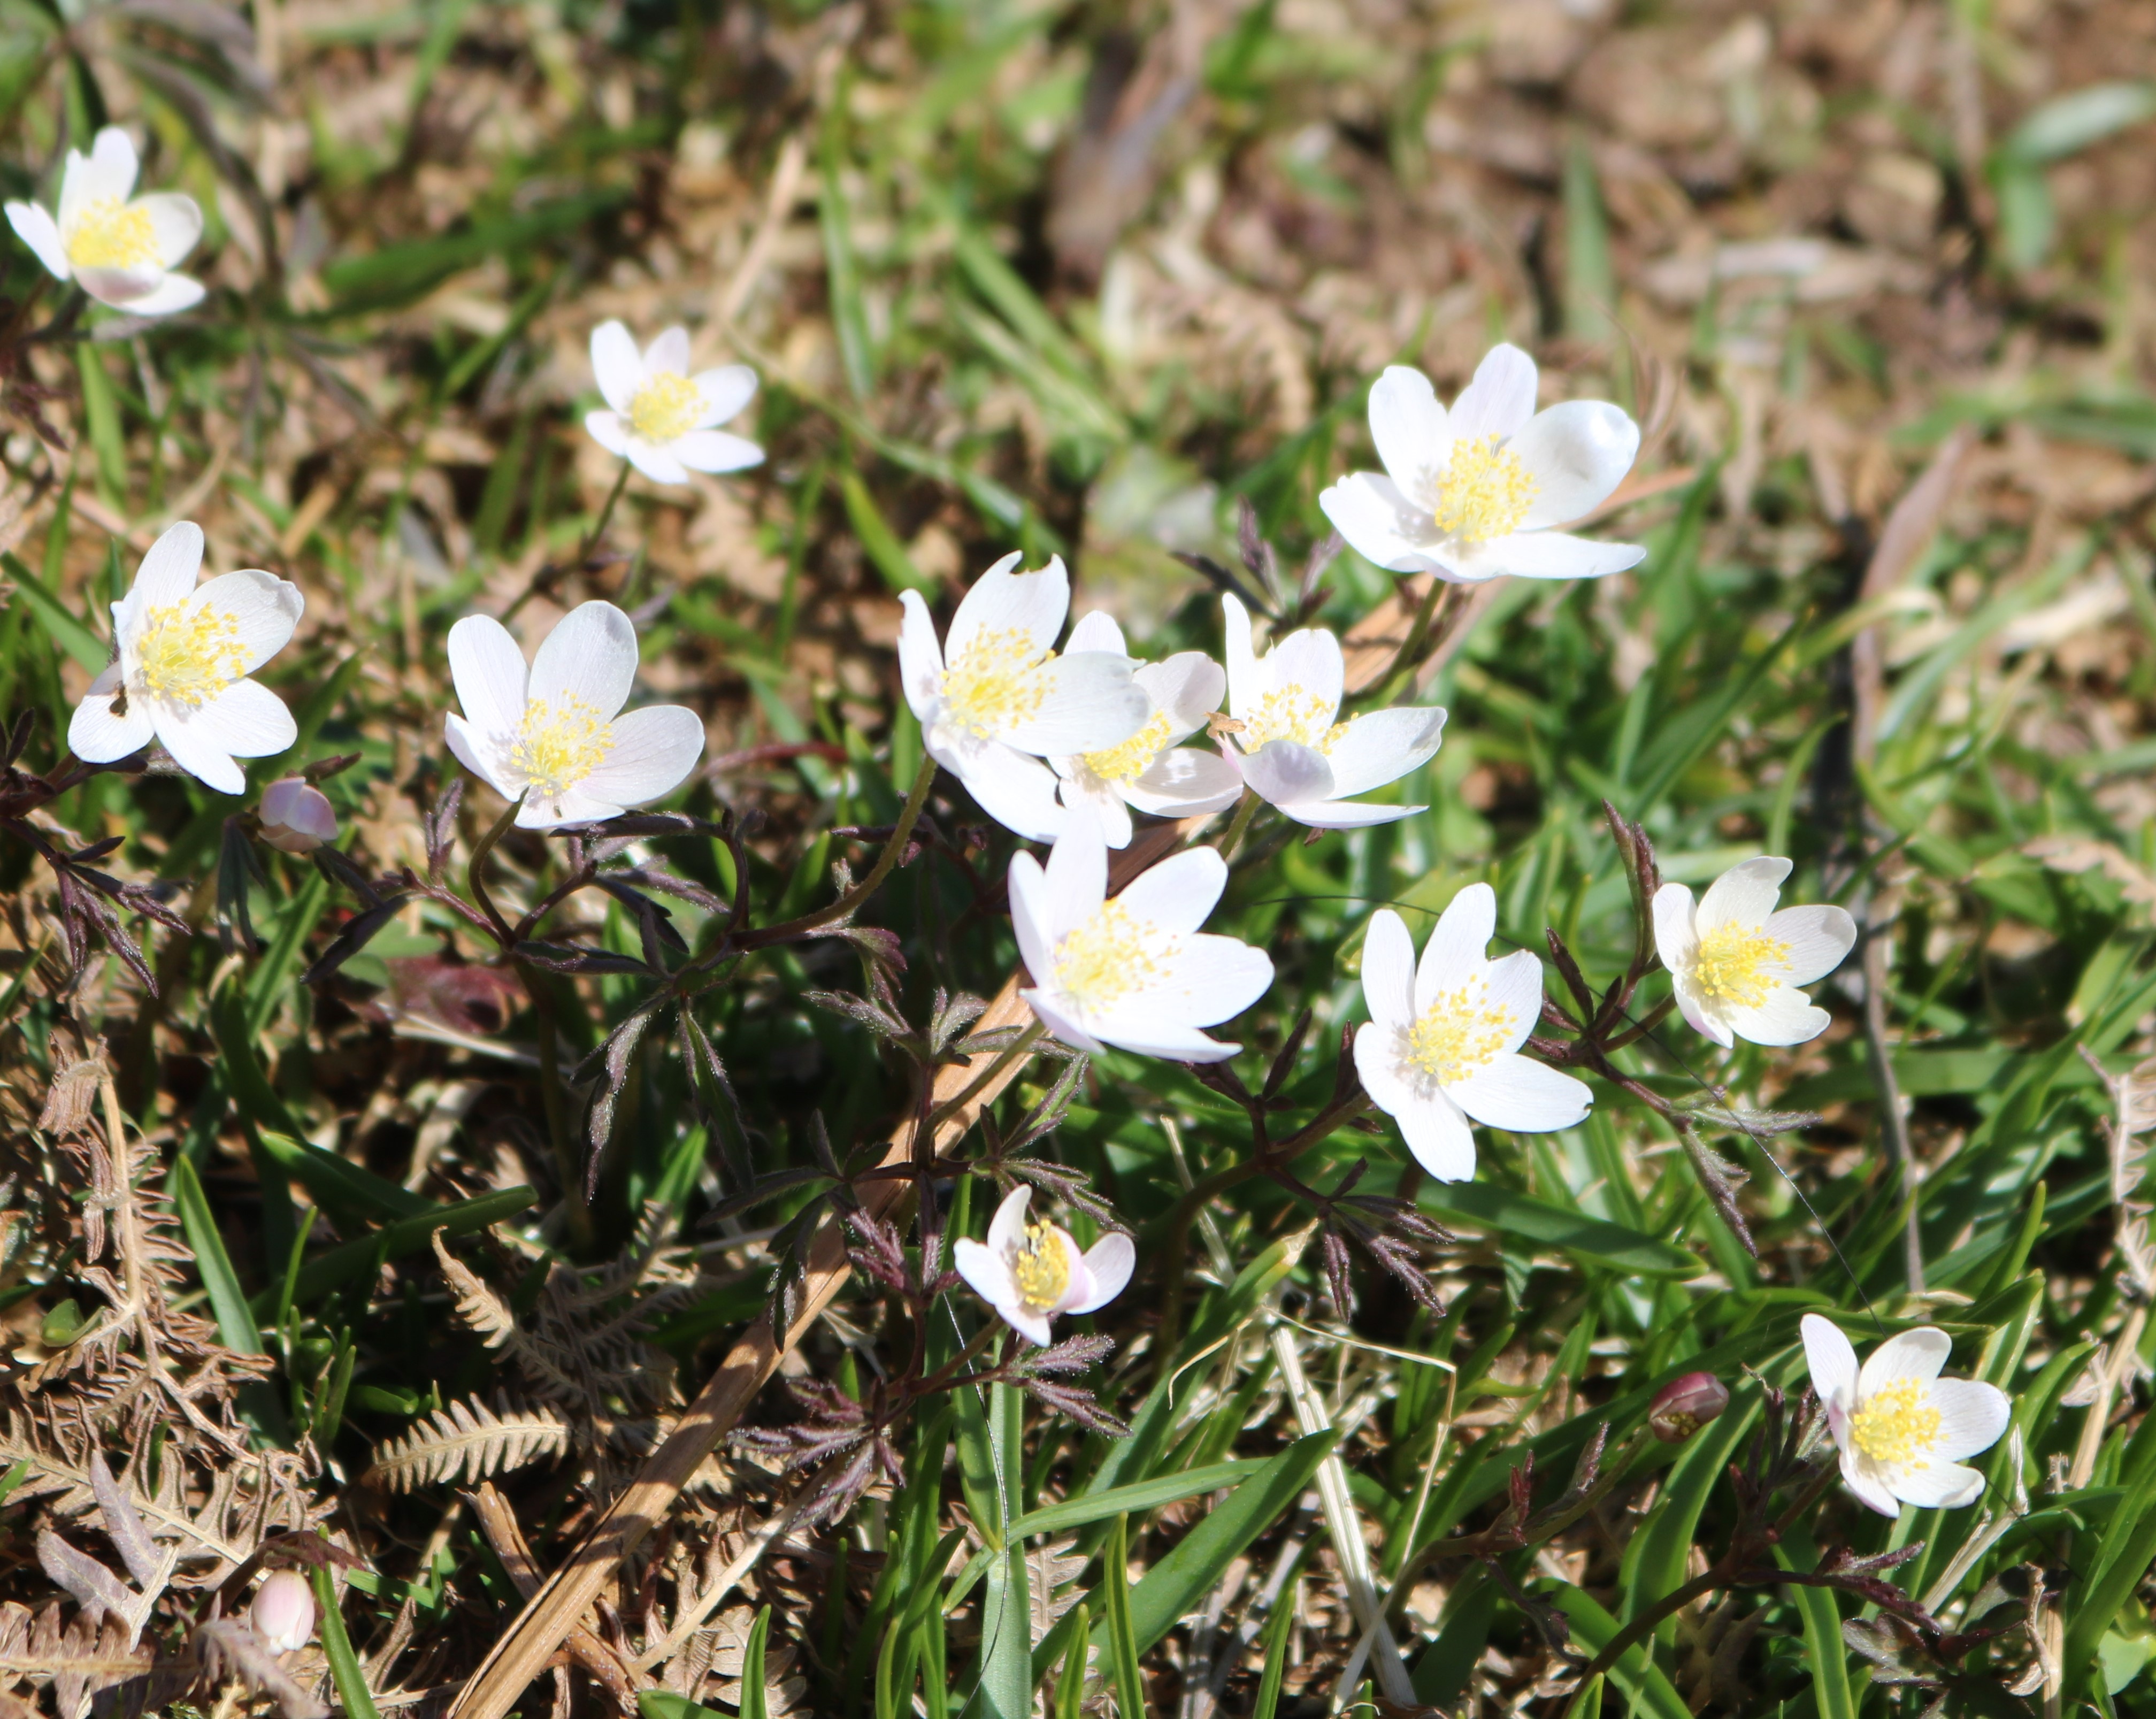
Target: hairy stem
{"type": "Point", "coordinates": [1021, 1046]}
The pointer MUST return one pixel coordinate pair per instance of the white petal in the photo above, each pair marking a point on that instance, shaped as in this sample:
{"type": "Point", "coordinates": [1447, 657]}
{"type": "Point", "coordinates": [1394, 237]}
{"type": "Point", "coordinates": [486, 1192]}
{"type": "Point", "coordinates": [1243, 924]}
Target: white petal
{"type": "Point", "coordinates": [1033, 604]}
{"type": "Point", "coordinates": [1244, 689]}
{"type": "Point", "coordinates": [1062, 1021]}
{"type": "Point", "coordinates": [1936, 1486]}
{"type": "Point", "coordinates": [1383, 526]}
{"type": "Point", "coordinates": [246, 720]}
{"type": "Point", "coordinates": [1973, 1416]}
{"type": "Point", "coordinates": [1577, 454]}
{"type": "Point", "coordinates": [1109, 1261]}
{"type": "Point", "coordinates": [1383, 747]}
{"type": "Point", "coordinates": [726, 391]}
{"type": "Point", "coordinates": [1018, 792]}
{"type": "Point", "coordinates": [1518, 1093]}
{"type": "Point", "coordinates": [1007, 1228]}
{"type": "Point", "coordinates": [1917, 1354]}
{"type": "Point", "coordinates": [488, 673]}
{"type": "Point", "coordinates": [656, 462]}
{"type": "Point", "coordinates": [1832, 1359]}
{"type": "Point", "coordinates": [714, 450]}
{"type": "Point", "coordinates": [1409, 428]}
{"type": "Point", "coordinates": [1077, 876]}
{"type": "Point", "coordinates": [1032, 919]}
{"type": "Point", "coordinates": [1439, 1136]}
{"type": "Point", "coordinates": [1345, 814]}
{"type": "Point", "coordinates": [1209, 980]}
{"type": "Point", "coordinates": [1516, 987]}
{"type": "Point", "coordinates": [984, 1271]}
{"type": "Point", "coordinates": [566, 810]}
{"type": "Point", "coordinates": [97, 736]}
{"type": "Point", "coordinates": [1543, 555]}
{"type": "Point", "coordinates": [590, 656]}
{"type": "Point", "coordinates": [1865, 1483]}
{"type": "Point", "coordinates": [1180, 893]}
{"type": "Point", "coordinates": [1089, 704]}
{"type": "Point", "coordinates": [1185, 783]}
{"type": "Point", "coordinates": [483, 760]}
{"type": "Point", "coordinates": [109, 170]}
{"type": "Point", "coordinates": [195, 752]}
{"type": "Point", "coordinates": [262, 608]}
{"type": "Point", "coordinates": [1818, 938]}
{"type": "Point", "coordinates": [1390, 1086]}
{"type": "Point", "coordinates": [38, 229]}
{"type": "Point", "coordinates": [1501, 399]}
{"type": "Point", "coordinates": [669, 354]}
{"type": "Point", "coordinates": [610, 430]}
{"type": "Point", "coordinates": [1783, 1017]}
{"type": "Point", "coordinates": [1285, 773]}
{"type": "Point", "coordinates": [1675, 940]}
{"type": "Point", "coordinates": [169, 566]}
{"type": "Point", "coordinates": [1310, 661]}
{"type": "Point", "coordinates": [1169, 1041]}
{"type": "Point", "coordinates": [1189, 686]}
{"type": "Point", "coordinates": [1032, 1326]}
{"type": "Point", "coordinates": [123, 288]}
{"type": "Point", "coordinates": [1745, 894]}
{"type": "Point", "coordinates": [653, 751]}
{"type": "Point", "coordinates": [1096, 630]}
{"type": "Point", "coordinates": [1458, 947]}
{"type": "Point", "coordinates": [176, 220]}
{"type": "Point", "coordinates": [1706, 1019]}
{"type": "Point", "coordinates": [920, 657]}
{"type": "Point", "coordinates": [1389, 961]}
{"type": "Point", "coordinates": [616, 365]}
{"type": "Point", "coordinates": [170, 296]}
{"type": "Point", "coordinates": [1080, 787]}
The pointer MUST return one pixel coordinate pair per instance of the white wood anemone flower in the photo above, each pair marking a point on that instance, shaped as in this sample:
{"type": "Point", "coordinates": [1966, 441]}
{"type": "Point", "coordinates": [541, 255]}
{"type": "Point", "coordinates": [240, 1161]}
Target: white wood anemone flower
{"type": "Point", "coordinates": [1030, 1272]}
{"type": "Point", "coordinates": [183, 652]}
{"type": "Point", "coordinates": [1736, 963]}
{"type": "Point", "coordinates": [554, 734]}
{"type": "Point", "coordinates": [1472, 494]}
{"type": "Point", "coordinates": [1135, 972]}
{"type": "Point", "coordinates": [657, 417]}
{"type": "Point", "coordinates": [1293, 754]}
{"type": "Point", "coordinates": [120, 248]}
{"type": "Point", "coordinates": [995, 699]}
{"type": "Point", "coordinates": [1442, 1047]}
{"type": "Point", "coordinates": [1149, 771]}
{"type": "Point", "coordinates": [1900, 1429]}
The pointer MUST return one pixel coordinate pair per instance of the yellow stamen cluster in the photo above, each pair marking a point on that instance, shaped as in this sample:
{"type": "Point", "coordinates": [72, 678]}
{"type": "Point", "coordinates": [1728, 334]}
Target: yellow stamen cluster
{"type": "Point", "coordinates": [1737, 964]}
{"type": "Point", "coordinates": [1897, 1424]}
{"type": "Point", "coordinates": [1485, 493]}
{"type": "Point", "coordinates": [112, 234]}
{"type": "Point", "coordinates": [188, 655]}
{"type": "Point", "coordinates": [1129, 761]}
{"type": "Point", "coordinates": [1293, 713]}
{"type": "Point", "coordinates": [1460, 1033]}
{"type": "Point", "coordinates": [1040, 1268]}
{"type": "Point", "coordinates": [1114, 953]}
{"type": "Point", "coordinates": [666, 408]}
{"type": "Point", "coordinates": [558, 744]}
{"type": "Point", "coordinates": [990, 686]}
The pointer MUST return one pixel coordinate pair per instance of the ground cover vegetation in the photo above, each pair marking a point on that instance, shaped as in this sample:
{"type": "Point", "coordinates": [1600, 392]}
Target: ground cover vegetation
{"type": "Point", "coordinates": [1261, 856]}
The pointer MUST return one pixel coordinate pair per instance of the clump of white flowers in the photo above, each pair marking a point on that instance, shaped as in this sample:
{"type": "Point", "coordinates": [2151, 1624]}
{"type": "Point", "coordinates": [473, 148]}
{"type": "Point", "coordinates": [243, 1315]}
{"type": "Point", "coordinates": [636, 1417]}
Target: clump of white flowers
{"type": "Point", "coordinates": [1736, 963]}
{"type": "Point", "coordinates": [660, 418]}
{"type": "Point", "coordinates": [119, 248]}
{"type": "Point", "coordinates": [1900, 1429]}
{"type": "Point", "coordinates": [1030, 1272]}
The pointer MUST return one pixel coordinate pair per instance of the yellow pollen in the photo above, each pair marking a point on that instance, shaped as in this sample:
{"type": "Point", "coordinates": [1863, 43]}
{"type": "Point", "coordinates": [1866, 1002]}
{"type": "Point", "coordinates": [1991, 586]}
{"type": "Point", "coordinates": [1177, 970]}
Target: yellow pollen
{"type": "Point", "coordinates": [1897, 1424]}
{"type": "Point", "coordinates": [187, 656]}
{"type": "Point", "coordinates": [1485, 493]}
{"type": "Point", "coordinates": [1040, 1268]}
{"type": "Point", "coordinates": [559, 745]}
{"type": "Point", "coordinates": [1125, 763]}
{"type": "Point", "coordinates": [1111, 955]}
{"type": "Point", "coordinates": [1291, 713]}
{"type": "Point", "coordinates": [1460, 1032]}
{"type": "Point", "coordinates": [990, 686]}
{"type": "Point", "coordinates": [666, 408]}
{"type": "Point", "coordinates": [112, 234]}
{"type": "Point", "coordinates": [1737, 964]}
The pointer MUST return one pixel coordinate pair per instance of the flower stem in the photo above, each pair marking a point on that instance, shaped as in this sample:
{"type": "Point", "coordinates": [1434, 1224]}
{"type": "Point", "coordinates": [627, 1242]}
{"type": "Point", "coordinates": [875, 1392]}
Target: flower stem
{"type": "Point", "coordinates": [1010, 1053]}
{"type": "Point", "coordinates": [1245, 809]}
{"type": "Point", "coordinates": [606, 513]}
{"type": "Point", "coordinates": [901, 834]}
{"type": "Point", "coordinates": [475, 875]}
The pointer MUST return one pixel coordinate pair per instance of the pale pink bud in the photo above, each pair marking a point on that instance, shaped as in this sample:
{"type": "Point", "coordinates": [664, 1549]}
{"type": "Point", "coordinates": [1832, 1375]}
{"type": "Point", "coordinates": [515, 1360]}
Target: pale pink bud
{"type": "Point", "coordinates": [283, 1614]}
{"type": "Point", "coordinates": [1685, 1405]}
{"type": "Point", "coordinates": [296, 816]}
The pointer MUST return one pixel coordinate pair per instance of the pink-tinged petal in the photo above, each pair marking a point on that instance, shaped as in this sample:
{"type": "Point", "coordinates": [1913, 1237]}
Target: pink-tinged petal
{"type": "Point", "coordinates": [471, 750]}
{"type": "Point", "coordinates": [1189, 686]}
{"type": "Point", "coordinates": [1937, 1485]}
{"type": "Point", "coordinates": [590, 657]}
{"type": "Point", "coordinates": [246, 720]}
{"type": "Point", "coordinates": [1542, 555]}
{"type": "Point", "coordinates": [1007, 1228]}
{"type": "Point", "coordinates": [1002, 601]}
{"type": "Point", "coordinates": [1180, 893]}
{"type": "Point", "coordinates": [1832, 1359]}
{"type": "Point", "coordinates": [726, 391]}
{"type": "Point", "coordinates": [1676, 940]}
{"type": "Point", "coordinates": [984, 1270]}
{"type": "Point", "coordinates": [1437, 1134]}
{"type": "Point", "coordinates": [1973, 1416]}
{"type": "Point", "coordinates": [1384, 527]}
{"type": "Point", "coordinates": [1783, 1016]}
{"type": "Point", "coordinates": [1246, 684]}
{"type": "Point", "coordinates": [170, 296]}
{"type": "Point", "coordinates": [1409, 428]}
{"type": "Point", "coordinates": [1109, 1262]}
{"type": "Point", "coordinates": [653, 751]}
{"type": "Point", "coordinates": [1577, 454]}
{"type": "Point", "coordinates": [1032, 920]}
{"type": "Point", "coordinates": [710, 450]}
{"type": "Point", "coordinates": [118, 287]}
{"type": "Point", "coordinates": [195, 752]}
{"type": "Point", "coordinates": [1501, 400]}
{"type": "Point", "coordinates": [1744, 895]}
{"type": "Point", "coordinates": [97, 736]}
{"type": "Point", "coordinates": [1286, 773]}
{"type": "Point", "coordinates": [1389, 960]}
{"type": "Point", "coordinates": [610, 430]}
{"type": "Point", "coordinates": [1096, 630]}
{"type": "Point", "coordinates": [1458, 946]}
{"type": "Point", "coordinates": [669, 354]}
{"type": "Point", "coordinates": [1062, 1022]}
{"type": "Point", "coordinates": [617, 366]}
{"type": "Point", "coordinates": [919, 656]}
{"type": "Point", "coordinates": [488, 673]}
{"type": "Point", "coordinates": [38, 229]}
{"type": "Point", "coordinates": [1383, 747]}
{"type": "Point", "coordinates": [1520, 1094]}
{"type": "Point", "coordinates": [656, 462]}
{"type": "Point", "coordinates": [1185, 783]}
{"type": "Point", "coordinates": [1820, 939]}
{"type": "Point", "coordinates": [1865, 1481]}
{"type": "Point", "coordinates": [1917, 1354]}
{"type": "Point", "coordinates": [175, 222]}
{"type": "Point", "coordinates": [1516, 987]}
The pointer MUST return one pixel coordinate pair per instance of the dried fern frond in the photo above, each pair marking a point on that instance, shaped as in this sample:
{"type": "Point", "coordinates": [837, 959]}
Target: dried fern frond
{"type": "Point", "coordinates": [467, 1440]}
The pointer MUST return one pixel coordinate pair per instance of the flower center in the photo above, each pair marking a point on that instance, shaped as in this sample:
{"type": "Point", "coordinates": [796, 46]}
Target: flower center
{"type": "Point", "coordinates": [1291, 713]}
{"type": "Point", "coordinates": [112, 234]}
{"type": "Point", "coordinates": [1460, 1032]}
{"type": "Point", "coordinates": [187, 656]}
{"type": "Point", "coordinates": [1127, 762]}
{"type": "Point", "coordinates": [1485, 493]}
{"type": "Point", "coordinates": [666, 408]}
{"type": "Point", "coordinates": [559, 745]}
{"type": "Point", "coordinates": [1114, 953]}
{"type": "Point", "coordinates": [1737, 964]}
{"type": "Point", "coordinates": [990, 686]}
{"type": "Point", "coordinates": [1040, 1267]}
{"type": "Point", "coordinates": [1897, 1424]}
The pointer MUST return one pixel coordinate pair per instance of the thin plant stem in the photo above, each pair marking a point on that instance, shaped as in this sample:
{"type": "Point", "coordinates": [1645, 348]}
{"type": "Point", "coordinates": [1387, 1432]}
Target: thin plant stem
{"type": "Point", "coordinates": [475, 874]}
{"type": "Point", "coordinates": [1021, 1046]}
{"type": "Point", "coordinates": [1245, 809]}
{"type": "Point", "coordinates": [901, 834]}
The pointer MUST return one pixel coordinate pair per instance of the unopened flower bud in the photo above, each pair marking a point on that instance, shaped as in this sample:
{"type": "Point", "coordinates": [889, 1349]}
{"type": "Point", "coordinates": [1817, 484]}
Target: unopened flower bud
{"type": "Point", "coordinates": [283, 1614]}
{"type": "Point", "coordinates": [296, 816]}
{"type": "Point", "coordinates": [1685, 1405]}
